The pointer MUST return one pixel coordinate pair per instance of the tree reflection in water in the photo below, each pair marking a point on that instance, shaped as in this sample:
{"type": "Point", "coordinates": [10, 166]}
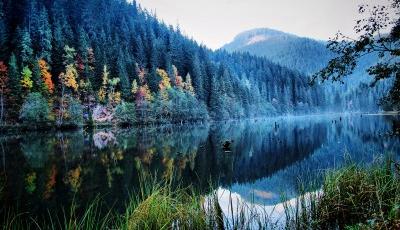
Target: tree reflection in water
{"type": "Point", "coordinates": [48, 170]}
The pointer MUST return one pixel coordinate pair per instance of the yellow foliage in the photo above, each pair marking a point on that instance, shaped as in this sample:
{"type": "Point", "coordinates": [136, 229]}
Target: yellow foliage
{"type": "Point", "coordinates": [73, 178]}
{"type": "Point", "coordinates": [102, 94]}
{"type": "Point", "coordinates": [30, 181]}
{"type": "Point", "coordinates": [165, 82]}
{"type": "Point", "coordinates": [145, 93]}
{"type": "Point", "coordinates": [114, 98]}
{"type": "Point", "coordinates": [105, 75]}
{"type": "Point", "coordinates": [26, 80]}
{"type": "Point", "coordinates": [134, 87]}
{"type": "Point", "coordinates": [69, 78]}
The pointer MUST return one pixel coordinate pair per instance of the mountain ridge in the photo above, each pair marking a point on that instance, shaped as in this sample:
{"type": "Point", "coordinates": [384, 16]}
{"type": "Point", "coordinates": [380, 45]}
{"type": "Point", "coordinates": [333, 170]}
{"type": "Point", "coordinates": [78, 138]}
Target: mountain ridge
{"type": "Point", "coordinates": [280, 47]}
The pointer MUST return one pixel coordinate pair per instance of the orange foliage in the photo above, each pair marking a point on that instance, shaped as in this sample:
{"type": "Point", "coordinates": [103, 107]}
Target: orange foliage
{"type": "Point", "coordinates": [142, 75]}
{"type": "Point", "coordinates": [143, 94]}
{"type": "Point", "coordinates": [51, 182]}
{"type": "Point", "coordinates": [46, 75]}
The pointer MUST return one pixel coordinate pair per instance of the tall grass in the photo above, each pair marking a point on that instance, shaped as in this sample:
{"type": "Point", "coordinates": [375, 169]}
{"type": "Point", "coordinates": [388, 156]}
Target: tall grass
{"type": "Point", "coordinates": [163, 206]}
{"type": "Point", "coordinates": [91, 218]}
{"type": "Point", "coordinates": [352, 197]}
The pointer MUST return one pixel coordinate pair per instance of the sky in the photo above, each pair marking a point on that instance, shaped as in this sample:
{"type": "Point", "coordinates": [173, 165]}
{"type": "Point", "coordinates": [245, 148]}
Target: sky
{"type": "Point", "coordinates": [216, 22]}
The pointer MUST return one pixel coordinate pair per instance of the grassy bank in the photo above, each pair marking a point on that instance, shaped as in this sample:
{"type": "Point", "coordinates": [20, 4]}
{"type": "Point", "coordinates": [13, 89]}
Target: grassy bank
{"type": "Point", "coordinates": [352, 197]}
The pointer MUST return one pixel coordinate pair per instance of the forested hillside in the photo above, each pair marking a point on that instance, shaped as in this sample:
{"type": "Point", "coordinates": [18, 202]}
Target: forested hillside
{"type": "Point", "coordinates": [308, 56]}
{"type": "Point", "coordinates": [111, 61]}
{"type": "Point", "coordinates": [303, 54]}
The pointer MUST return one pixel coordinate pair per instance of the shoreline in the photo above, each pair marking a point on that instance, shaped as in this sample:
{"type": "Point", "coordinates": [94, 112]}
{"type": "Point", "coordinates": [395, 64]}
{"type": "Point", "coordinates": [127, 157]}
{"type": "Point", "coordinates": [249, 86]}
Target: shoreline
{"type": "Point", "coordinates": [10, 128]}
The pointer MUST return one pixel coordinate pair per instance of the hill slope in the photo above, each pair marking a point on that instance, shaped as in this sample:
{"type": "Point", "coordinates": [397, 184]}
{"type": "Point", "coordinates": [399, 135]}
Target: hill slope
{"type": "Point", "coordinates": [303, 54]}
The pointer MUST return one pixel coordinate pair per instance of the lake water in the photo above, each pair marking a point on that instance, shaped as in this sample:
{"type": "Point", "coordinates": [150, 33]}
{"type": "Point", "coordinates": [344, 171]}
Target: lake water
{"type": "Point", "coordinates": [266, 158]}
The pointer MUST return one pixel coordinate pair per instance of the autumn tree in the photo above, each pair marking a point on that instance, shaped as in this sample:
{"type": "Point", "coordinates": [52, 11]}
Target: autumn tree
{"type": "Point", "coordinates": [107, 92]}
{"type": "Point", "coordinates": [46, 76]}
{"type": "Point", "coordinates": [164, 83]}
{"type": "Point", "coordinates": [4, 89]}
{"type": "Point", "coordinates": [68, 80]}
{"type": "Point", "coordinates": [26, 81]}
{"type": "Point", "coordinates": [102, 94]}
{"type": "Point", "coordinates": [177, 80]}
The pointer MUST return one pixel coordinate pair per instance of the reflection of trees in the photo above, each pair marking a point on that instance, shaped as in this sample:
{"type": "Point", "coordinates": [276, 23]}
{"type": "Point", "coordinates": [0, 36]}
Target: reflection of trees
{"type": "Point", "coordinates": [103, 139]}
{"type": "Point", "coordinates": [359, 140]}
{"type": "Point", "coordinates": [59, 167]}
{"type": "Point", "coordinates": [260, 149]}
{"type": "Point", "coordinates": [37, 150]}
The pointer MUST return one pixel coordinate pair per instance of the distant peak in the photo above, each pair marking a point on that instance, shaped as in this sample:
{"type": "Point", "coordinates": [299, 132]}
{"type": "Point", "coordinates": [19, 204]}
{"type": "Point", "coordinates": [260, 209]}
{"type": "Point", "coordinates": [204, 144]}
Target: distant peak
{"type": "Point", "coordinates": [262, 32]}
{"type": "Point", "coordinates": [256, 38]}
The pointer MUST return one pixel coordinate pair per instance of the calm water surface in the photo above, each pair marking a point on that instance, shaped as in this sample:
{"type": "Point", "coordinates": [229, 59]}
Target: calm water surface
{"type": "Point", "coordinates": [266, 158]}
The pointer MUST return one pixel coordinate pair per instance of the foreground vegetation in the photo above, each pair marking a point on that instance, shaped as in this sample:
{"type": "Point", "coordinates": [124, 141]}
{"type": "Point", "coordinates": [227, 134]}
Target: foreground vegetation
{"type": "Point", "coordinates": [352, 197]}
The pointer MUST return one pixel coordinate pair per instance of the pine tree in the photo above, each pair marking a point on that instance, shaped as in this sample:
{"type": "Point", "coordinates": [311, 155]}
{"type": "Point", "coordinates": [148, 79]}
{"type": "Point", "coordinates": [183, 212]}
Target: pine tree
{"type": "Point", "coordinates": [25, 48]}
{"type": "Point", "coordinates": [3, 34]}
{"type": "Point", "coordinates": [83, 43]}
{"type": "Point", "coordinates": [15, 95]}
{"type": "Point", "coordinates": [123, 75]}
{"type": "Point", "coordinates": [38, 84]}
{"type": "Point", "coordinates": [45, 36]}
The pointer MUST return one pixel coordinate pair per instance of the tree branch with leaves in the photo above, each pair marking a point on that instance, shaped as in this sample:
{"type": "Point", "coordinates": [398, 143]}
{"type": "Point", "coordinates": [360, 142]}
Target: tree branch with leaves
{"type": "Point", "coordinates": [379, 33]}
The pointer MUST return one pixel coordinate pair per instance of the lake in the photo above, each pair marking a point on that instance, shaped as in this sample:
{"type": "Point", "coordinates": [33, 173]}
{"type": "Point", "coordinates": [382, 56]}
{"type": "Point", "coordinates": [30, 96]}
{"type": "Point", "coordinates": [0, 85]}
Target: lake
{"type": "Point", "coordinates": [264, 160]}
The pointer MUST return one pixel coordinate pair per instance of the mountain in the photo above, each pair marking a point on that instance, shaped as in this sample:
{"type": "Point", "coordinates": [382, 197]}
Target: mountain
{"type": "Point", "coordinates": [308, 56]}
{"type": "Point", "coordinates": [112, 61]}
{"type": "Point", "coordinates": [303, 54]}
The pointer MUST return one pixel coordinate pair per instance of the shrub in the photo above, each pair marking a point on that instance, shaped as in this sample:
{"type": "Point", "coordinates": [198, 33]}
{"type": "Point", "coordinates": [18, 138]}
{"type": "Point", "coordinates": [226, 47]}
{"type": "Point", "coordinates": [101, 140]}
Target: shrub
{"type": "Point", "coordinates": [35, 109]}
{"type": "Point", "coordinates": [125, 113]}
{"type": "Point", "coordinates": [75, 113]}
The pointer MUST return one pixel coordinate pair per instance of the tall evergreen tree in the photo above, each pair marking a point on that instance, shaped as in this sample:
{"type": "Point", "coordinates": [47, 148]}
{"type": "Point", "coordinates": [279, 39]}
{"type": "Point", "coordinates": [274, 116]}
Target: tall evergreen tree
{"type": "Point", "coordinates": [25, 47]}
{"type": "Point", "coordinates": [4, 33]}
{"type": "Point", "coordinates": [45, 36]}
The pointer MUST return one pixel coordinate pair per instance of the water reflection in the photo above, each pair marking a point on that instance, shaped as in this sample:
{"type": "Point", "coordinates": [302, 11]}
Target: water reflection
{"type": "Point", "coordinates": [265, 159]}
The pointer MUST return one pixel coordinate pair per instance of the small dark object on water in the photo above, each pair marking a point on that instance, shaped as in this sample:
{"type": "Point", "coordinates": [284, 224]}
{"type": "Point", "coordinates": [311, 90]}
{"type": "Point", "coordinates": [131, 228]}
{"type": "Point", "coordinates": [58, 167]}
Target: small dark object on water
{"type": "Point", "coordinates": [227, 146]}
{"type": "Point", "coordinates": [340, 118]}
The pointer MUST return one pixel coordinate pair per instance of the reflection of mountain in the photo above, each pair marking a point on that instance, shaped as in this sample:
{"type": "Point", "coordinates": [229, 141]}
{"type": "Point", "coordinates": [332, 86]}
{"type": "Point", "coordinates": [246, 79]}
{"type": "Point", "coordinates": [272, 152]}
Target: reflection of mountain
{"type": "Point", "coordinates": [267, 158]}
{"type": "Point", "coordinates": [261, 148]}
{"type": "Point", "coordinates": [352, 138]}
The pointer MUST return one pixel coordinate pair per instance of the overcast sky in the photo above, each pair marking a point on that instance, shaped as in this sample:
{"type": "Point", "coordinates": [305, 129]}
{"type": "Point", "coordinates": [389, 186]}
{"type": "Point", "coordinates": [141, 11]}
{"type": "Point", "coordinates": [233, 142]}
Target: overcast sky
{"type": "Point", "coordinates": [216, 22]}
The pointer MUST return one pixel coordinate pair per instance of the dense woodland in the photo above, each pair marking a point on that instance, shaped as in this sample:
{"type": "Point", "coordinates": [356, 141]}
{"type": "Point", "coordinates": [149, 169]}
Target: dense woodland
{"type": "Point", "coordinates": [109, 61]}
{"type": "Point", "coordinates": [308, 56]}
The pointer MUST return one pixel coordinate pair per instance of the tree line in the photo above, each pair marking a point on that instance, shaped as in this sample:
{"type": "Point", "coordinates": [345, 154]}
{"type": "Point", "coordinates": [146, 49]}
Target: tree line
{"type": "Point", "coordinates": [77, 61]}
